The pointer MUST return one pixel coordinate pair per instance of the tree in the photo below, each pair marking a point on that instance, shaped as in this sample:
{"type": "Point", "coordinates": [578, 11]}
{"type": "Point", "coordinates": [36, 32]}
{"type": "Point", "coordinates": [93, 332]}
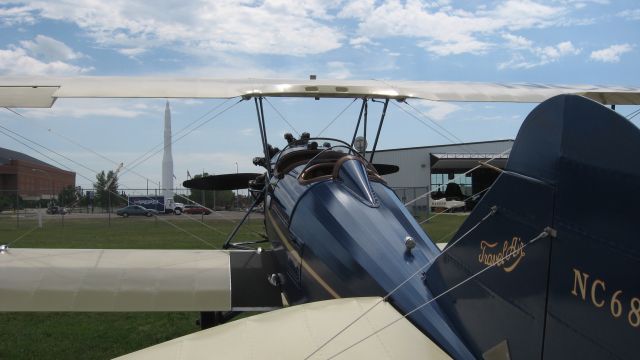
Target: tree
{"type": "Point", "coordinates": [68, 196]}
{"type": "Point", "coordinates": [210, 198]}
{"type": "Point", "coordinates": [102, 194]}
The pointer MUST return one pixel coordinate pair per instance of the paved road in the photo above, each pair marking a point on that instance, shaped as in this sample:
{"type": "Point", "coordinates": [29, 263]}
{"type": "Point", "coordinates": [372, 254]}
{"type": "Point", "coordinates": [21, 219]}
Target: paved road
{"type": "Point", "coordinates": [222, 215]}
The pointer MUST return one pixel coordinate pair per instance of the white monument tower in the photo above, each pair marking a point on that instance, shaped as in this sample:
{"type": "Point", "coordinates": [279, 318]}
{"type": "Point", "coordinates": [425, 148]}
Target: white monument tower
{"type": "Point", "coordinates": [167, 160]}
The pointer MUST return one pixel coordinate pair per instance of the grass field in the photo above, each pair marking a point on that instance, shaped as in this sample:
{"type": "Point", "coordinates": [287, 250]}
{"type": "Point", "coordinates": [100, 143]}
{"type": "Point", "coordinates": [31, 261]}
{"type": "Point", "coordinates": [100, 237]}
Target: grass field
{"type": "Point", "coordinates": [106, 335]}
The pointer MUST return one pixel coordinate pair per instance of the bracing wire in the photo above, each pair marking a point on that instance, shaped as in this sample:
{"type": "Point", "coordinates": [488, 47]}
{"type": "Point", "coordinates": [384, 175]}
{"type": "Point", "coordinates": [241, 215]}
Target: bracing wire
{"type": "Point", "coordinates": [433, 121]}
{"type": "Point", "coordinates": [337, 117]}
{"type": "Point", "coordinates": [384, 298]}
{"type": "Point", "coordinates": [444, 211]}
{"type": "Point", "coordinates": [130, 169]}
{"type": "Point", "coordinates": [445, 136]}
{"type": "Point", "coordinates": [93, 171]}
{"type": "Point", "coordinates": [145, 178]}
{"type": "Point", "coordinates": [545, 233]}
{"type": "Point", "coordinates": [282, 116]}
{"type": "Point", "coordinates": [174, 140]}
{"type": "Point", "coordinates": [633, 114]}
{"type": "Point", "coordinates": [457, 177]}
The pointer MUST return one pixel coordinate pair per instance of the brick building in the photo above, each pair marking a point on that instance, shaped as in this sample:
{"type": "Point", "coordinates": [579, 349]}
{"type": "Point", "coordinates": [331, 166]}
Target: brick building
{"type": "Point", "coordinates": [32, 178]}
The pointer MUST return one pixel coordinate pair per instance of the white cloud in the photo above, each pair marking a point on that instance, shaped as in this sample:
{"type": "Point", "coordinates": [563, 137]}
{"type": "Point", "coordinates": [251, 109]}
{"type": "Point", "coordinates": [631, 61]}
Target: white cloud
{"type": "Point", "coordinates": [16, 15]}
{"type": "Point", "coordinates": [271, 27]}
{"type": "Point", "coordinates": [338, 70]}
{"type": "Point", "coordinates": [537, 55]}
{"type": "Point", "coordinates": [437, 110]}
{"type": "Point", "coordinates": [132, 52]}
{"type": "Point", "coordinates": [91, 108]}
{"type": "Point", "coordinates": [630, 14]}
{"type": "Point", "coordinates": [16, 61]}
{"type": "Point", "coordinates": [611, 54]}
{"type": "Point", "coordinates": [443, 30]}
{"type": "Point", "coordinates": [360, 42]}
{"type": "Point", "coordinates": [247, 132]}
{"type": "Point", "coordinates": [41, 56]}
{"type": "Point", "coordinates": [49, 49]}
{"type": "Point", "coordinates": [517, 42]}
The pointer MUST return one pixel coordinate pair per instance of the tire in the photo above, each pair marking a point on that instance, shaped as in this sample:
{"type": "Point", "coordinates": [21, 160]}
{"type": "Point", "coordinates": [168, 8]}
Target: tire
{"type": "Point", "coordinates": [177, 211]}
{"type": "Point", "coordinates": [147, 214]}
{"type": "Point", "coordinates": [125, 215]}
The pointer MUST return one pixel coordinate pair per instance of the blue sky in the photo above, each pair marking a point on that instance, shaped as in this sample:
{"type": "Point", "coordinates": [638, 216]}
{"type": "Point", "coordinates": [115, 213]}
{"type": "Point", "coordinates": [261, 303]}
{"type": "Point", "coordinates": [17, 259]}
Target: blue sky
{"type": "Point", "coordinates": [556, 42]}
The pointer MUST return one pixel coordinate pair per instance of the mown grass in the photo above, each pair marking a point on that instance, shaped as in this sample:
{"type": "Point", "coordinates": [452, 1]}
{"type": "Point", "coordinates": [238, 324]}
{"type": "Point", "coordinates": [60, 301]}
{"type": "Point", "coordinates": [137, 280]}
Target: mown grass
{"type": "Point", "coordinates": [441, 228]}
{"type": "Point", "coordinates": [107, 335]}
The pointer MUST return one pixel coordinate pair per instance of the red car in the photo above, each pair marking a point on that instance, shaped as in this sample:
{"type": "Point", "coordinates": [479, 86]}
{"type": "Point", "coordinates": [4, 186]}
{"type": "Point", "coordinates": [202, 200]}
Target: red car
{"type": "Point", "coordinates": [196, 209]}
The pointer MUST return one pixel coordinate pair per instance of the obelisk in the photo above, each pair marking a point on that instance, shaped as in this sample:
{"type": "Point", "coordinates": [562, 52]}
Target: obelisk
{"type": "Point", "coordinates": [167, 158]}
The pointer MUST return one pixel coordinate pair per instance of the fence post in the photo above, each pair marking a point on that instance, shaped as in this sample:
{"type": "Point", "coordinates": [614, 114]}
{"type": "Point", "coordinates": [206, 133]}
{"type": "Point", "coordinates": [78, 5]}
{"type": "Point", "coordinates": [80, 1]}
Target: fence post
{"type": "Point", "coordinates": [17, 210]}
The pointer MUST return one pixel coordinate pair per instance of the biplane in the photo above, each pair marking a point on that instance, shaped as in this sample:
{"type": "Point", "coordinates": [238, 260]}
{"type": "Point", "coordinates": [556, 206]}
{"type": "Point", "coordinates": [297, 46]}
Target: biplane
{"type": "Point", "coordinates": [546, 265]}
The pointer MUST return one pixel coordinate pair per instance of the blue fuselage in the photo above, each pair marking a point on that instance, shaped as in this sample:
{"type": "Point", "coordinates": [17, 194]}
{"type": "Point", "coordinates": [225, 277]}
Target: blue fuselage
{"type": "Point", "coordinates": [344, 236]}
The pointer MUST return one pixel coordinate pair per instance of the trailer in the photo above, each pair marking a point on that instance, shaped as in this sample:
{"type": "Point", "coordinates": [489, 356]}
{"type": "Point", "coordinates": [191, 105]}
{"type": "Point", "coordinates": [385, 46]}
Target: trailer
{"type": "Point", "coordinates": [158, 203]}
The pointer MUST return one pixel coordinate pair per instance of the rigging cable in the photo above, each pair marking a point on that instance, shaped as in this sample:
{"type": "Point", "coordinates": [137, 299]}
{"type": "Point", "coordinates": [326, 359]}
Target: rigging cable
{"type": "Point", "coordinates": [130, 168]}
{"type": "Point", "coordinates": [444, 211]}
{"type": "Point", "coordinates": [93, 171]}
{"type": "Point", "coordinates": [544, 234]}
{"type": "Point", "coordinates": [633, 114]}
{"type": "Point", "coordinates": [336, 117]}
{"type": "Point", "coordinates": [282, 116]}
{"type": "Point", "coordinates": [448, 138]}
{"type": "Point", "coordinates": [174, 140]}
{"type": "Point", "coordinates": [422, 268]}
{"type": "Point", "coordinates": [161, 143]}
{"type": "Point", "coordinates": [182, 197]}
{"type": "Point", "coordinates": [457, 177]}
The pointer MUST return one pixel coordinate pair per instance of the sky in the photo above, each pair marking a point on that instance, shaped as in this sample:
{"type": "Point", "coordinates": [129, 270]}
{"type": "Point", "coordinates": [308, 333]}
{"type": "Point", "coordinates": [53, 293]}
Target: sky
{"type": "Point", "coordinates": [514, 41]}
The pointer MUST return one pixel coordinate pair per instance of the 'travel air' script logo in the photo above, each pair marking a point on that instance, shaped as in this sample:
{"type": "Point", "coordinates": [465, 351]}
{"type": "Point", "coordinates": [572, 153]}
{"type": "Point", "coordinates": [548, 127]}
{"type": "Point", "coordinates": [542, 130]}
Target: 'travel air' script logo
{"type": "Point", "coordinates": [508, 256]}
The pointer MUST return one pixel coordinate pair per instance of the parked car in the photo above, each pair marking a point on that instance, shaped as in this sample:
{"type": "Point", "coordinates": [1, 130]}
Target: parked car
{"type": "Point", "coordinates": [136, 210]}
{"type": "Point", "coordinates": [56, 210]}
{"type": "Point", "coordinates": [196, 209]}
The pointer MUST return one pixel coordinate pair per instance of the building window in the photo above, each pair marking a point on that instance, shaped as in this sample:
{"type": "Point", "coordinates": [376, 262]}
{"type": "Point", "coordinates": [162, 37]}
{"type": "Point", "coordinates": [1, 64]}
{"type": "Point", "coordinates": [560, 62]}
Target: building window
{"type": "Point", "coordinates": [439, 181]}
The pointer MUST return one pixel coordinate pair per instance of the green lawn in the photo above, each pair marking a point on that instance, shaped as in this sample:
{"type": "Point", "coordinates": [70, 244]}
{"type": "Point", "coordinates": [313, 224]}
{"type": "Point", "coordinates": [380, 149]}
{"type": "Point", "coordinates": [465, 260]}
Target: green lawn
{"type": "Point", "coordinates": [106, 335]}
{"type": "Point", "coordinates": [441, 228]}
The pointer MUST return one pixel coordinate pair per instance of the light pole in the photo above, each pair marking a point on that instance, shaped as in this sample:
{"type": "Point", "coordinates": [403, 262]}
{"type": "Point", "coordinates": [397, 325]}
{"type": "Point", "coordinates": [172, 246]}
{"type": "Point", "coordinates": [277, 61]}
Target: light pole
{"type": "Point", "coordinates": [50, 181]}
{"type": "Point", "coordinates": [237, 200]}
{"type": "Point", "coordinates": [51, 188]}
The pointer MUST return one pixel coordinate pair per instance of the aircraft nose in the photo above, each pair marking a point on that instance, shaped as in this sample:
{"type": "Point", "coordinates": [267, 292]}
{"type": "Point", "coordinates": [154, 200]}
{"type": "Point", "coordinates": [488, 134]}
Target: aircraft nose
{"type": "Point", "coordinates": [353, 174]}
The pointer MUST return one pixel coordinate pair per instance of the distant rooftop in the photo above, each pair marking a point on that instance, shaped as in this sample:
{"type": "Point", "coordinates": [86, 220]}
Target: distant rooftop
{"type": "Point", "coordinates": [7, 155]}
{"type": "Point", "coordinates": [445, 145]}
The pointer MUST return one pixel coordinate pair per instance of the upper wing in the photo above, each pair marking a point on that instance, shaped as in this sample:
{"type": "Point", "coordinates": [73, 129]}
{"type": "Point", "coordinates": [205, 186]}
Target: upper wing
{"type": "Point", "coordinates": [42, 92]}
{"type": "Point", "coordinates": [133, 280]}
{"type": "Point", "coordinates": [295, 332]}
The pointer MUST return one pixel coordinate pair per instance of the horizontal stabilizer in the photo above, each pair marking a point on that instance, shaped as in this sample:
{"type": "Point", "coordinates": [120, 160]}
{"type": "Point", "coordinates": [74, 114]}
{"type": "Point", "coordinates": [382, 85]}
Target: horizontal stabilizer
{"type": "Point", "coordinates": [296, 332]}
{"type": "Point", "coordinates": [221, 182]}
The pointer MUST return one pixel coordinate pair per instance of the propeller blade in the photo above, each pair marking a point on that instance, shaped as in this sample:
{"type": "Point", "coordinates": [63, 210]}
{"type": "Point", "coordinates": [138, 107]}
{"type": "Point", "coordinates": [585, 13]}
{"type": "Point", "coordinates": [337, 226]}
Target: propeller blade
{"type": "Point", "coordinates": [221, 182]}
{"type": "Point", "coordinates": [385, 169]}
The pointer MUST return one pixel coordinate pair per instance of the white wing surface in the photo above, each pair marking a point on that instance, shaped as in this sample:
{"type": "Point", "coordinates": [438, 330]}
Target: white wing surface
{"type": "Point", "coordinates": [42, 92]}
{"type": "Point", "coordinates": [114, 280]}
{"type": "Point", "coordinates": [295, 332]}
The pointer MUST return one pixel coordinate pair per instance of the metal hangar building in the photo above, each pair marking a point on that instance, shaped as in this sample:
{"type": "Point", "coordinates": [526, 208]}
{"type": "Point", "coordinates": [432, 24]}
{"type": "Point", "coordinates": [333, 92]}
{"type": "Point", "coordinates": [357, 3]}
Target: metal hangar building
{"type": "Point", "coordinates": [430, 168]}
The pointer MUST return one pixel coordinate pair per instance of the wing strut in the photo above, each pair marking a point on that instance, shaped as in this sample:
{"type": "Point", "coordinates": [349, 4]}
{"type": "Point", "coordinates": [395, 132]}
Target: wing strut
{"type": "Point", "coordinates": [263, 134]}
{"type": "Point", "coordinates": [355, 133]}
{"type": "Point", "coordinates": [375, 142]}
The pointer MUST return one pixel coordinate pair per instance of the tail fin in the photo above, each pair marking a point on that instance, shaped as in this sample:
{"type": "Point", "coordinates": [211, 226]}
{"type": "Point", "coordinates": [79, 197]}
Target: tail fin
{"type": "Point", "coordinates": [574, 168]}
